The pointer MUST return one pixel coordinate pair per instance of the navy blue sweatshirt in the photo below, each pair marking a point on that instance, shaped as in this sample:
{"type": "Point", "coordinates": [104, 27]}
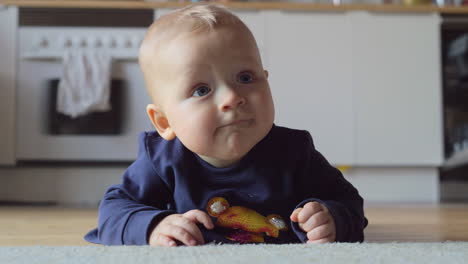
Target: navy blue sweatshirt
{"type": "Point", "coordinates": [282, 172]}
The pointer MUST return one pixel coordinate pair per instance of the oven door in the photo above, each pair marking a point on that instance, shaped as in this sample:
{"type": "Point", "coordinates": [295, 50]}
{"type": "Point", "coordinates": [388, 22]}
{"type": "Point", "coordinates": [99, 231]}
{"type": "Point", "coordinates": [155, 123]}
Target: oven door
{"type": "Point", "coordinates": [44, 135]}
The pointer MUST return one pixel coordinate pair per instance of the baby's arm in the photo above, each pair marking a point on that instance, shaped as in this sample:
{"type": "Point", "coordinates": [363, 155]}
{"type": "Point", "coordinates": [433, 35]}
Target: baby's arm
{"type": "Point", "coordinates": [128, 210]}
{"type": "Point", "coordinates": [180, 227]}
{"type": "Point", "coordinates": [322, 183]}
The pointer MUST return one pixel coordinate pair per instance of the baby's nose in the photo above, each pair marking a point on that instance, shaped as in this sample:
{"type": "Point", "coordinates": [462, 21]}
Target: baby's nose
{"type": "Point", "coordinates": [231, 99]}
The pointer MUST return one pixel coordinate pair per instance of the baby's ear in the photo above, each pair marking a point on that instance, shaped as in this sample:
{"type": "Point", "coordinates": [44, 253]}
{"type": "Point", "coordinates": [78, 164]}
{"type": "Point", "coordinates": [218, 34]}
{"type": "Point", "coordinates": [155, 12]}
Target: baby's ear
{"type": "Point", "coordinates": [160, 122]}
{"type": "Point", "coordinates": [266, 73]}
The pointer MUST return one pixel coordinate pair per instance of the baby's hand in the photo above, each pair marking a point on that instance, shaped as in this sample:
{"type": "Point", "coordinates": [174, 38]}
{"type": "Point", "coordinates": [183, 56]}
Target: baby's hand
{"type": "Point", "coordinates": [180, 227]}
{"type": "Point", "coordinates": [315, 219]}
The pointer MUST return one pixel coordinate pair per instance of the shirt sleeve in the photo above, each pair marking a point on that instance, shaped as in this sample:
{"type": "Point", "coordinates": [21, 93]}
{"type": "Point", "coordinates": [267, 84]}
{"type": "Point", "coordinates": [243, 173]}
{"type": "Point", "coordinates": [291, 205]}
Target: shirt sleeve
{"type": "Point", "coordinates": [129, 210]}
{"type": "Point", "coordinates": [324, 183]}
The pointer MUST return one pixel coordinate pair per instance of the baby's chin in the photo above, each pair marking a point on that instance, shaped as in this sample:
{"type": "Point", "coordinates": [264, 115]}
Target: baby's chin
{"type": "Point", "coordinates": [225, 158]}
{"type": "Point", "coordinates": [229, 150]}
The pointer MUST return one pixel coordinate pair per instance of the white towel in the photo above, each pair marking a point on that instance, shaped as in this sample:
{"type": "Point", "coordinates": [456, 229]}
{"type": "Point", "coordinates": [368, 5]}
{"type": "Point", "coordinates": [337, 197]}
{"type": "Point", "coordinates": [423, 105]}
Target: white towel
{"type": "Point", "coordinates": [85, 83]}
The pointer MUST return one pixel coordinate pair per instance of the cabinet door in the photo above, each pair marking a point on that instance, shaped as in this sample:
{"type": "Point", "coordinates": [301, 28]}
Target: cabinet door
{"type": "Point", "coordinates": [396, 79]}
{"type": "Point", "coordinates": [8, 26]}
{"type": "Point", "coordinates": [310, 77]}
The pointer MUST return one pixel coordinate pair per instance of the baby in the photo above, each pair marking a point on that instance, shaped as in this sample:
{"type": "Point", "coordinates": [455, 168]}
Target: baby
{"type": "Point", "coordinates": [217, 169]}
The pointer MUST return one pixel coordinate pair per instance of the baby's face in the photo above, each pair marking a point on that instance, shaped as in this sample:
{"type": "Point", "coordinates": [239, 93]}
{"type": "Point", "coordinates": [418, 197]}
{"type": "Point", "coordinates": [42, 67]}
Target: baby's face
{"type": "Point", "coordinates": [215, 94]}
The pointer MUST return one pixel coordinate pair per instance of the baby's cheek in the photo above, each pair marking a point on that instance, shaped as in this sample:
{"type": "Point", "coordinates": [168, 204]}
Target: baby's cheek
{"type": "Point", "coordinates": [196, 135]}
{"type": "Point", "coordinates": [195, 141]}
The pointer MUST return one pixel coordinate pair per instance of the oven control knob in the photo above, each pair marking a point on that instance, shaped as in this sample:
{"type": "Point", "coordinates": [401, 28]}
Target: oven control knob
{"type": "Point", "coordinates": [128, 43]}
{"type": "Point", "coordinates": [40, 42]}
{"type": "Point", "coordinates": [99, 43]}
{"type": "Point", "coordinates": [64, 42]}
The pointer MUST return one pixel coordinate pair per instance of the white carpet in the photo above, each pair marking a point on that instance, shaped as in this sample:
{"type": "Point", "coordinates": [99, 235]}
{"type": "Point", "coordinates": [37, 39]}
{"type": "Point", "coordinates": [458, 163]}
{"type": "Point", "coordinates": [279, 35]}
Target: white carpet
{"type": "Point", "coordinates": [346, 253]}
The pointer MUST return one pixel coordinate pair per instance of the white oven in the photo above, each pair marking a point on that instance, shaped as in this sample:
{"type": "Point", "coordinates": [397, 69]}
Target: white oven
{"type": "Point", "coordinates": [43, 134]}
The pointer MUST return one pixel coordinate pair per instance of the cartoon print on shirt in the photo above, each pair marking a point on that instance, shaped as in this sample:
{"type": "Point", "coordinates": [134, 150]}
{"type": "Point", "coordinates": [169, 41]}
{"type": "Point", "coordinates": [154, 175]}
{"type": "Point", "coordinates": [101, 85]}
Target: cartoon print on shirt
{"type": "Point", "coordinates": [247, 225]}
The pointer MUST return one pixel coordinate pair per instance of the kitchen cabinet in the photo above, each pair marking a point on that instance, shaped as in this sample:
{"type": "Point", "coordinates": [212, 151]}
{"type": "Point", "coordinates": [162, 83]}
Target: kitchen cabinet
{"type": "Point", "coordinates": [397, 86]}
{"type": "Point", "coordinates": [366, 85]}
{"type": "Point", "coordinates": [310, 77]}
{"type": "Point", "coordinates": [8, 29]}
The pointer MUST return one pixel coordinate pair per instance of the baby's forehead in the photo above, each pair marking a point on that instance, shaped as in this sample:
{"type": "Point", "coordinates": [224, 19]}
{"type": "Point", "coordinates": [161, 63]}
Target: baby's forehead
{"type": "Point", "coordinates": [184, 35]}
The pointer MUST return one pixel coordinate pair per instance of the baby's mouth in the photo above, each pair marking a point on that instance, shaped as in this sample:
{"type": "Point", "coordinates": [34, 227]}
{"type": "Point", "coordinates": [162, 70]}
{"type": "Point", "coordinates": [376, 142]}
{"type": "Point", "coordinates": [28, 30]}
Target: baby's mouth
{"type": "Point", "coordinates": [242, 123]}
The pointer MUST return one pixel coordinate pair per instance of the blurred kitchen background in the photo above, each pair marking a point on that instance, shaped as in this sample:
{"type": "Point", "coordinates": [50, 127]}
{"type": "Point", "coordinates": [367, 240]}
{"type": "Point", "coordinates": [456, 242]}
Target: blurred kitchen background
{"type": "Point", "coordinates": [381, 85]}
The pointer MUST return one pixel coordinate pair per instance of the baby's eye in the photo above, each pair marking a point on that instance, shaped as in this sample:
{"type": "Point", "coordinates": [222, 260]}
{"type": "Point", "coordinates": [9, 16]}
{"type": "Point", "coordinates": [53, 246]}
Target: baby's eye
{"type": "Point", "coordinates": [245, 77]}
{"type": "Point", "coordinates": [201, 91]}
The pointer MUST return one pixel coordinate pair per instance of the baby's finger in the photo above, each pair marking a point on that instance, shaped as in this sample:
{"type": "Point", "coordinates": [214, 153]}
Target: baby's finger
{"type": "Point", "coordinates": [314, 221]}
{"type": "Point", "coordinates": [198, 216]}
{"type": "Point", "coordinates": [163, 241]}
{"type": "Point", "coordinates": [309, 209]}
{"type": "Point", "coordinates": [190, 227]}
{"type": "Point", "coordinates": [179, 233]}
{"type": "Point", "coordinates": [294, 214]}
{"type": "Point", "coordinates": [320, 232]}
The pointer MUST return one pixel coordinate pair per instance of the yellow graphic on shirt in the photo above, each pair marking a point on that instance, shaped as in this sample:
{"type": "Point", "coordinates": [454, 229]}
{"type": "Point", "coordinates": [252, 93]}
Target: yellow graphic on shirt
{"type": "Point", "coordinates": [248, 225]}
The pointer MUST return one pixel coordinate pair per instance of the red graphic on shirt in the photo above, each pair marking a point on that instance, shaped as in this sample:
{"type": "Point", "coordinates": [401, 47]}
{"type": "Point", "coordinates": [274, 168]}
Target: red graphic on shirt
{"type": "Point", "coordinates": [248, 225]}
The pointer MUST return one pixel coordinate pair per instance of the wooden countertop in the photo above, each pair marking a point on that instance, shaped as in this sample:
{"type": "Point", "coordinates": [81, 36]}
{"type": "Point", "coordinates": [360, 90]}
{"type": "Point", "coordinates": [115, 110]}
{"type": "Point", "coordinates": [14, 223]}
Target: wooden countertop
{"type": "Point", "coordinates": [288, 6]}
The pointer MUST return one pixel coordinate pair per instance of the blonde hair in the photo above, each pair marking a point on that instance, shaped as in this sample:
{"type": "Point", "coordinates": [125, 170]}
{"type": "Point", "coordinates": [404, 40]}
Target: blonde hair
{"type": "Point", "coordinates": [205, 16]}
